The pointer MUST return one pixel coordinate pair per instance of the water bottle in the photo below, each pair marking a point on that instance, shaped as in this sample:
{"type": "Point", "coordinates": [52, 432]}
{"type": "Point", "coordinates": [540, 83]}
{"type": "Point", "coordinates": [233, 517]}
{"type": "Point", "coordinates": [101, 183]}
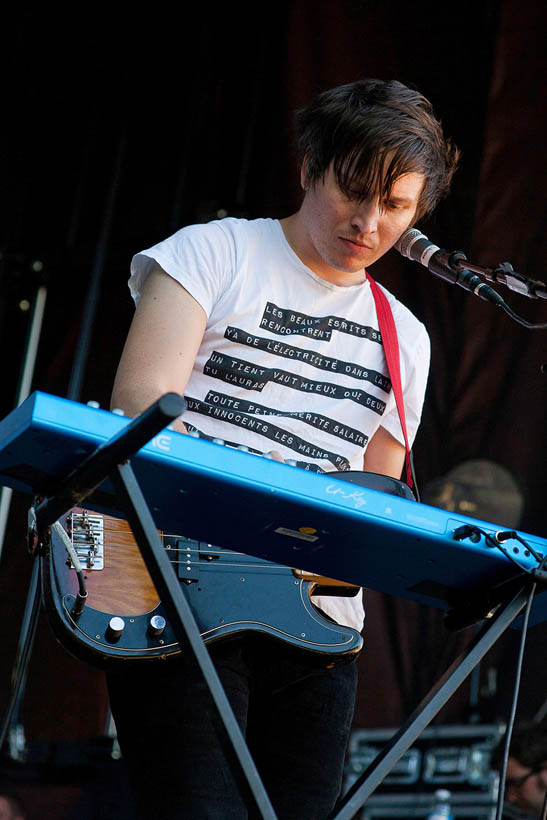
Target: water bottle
{"type": "Point", "coordinates": [441, 809]}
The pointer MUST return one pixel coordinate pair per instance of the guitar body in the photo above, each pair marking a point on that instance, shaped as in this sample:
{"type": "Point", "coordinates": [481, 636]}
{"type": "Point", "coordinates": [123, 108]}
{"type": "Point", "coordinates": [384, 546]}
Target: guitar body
{"type": "Point", "coordinates": [229, 593]}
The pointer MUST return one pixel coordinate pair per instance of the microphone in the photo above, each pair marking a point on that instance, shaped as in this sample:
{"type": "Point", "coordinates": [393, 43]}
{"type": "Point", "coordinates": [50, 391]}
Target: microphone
{"type": "Point", "coordinates": [448, 265]}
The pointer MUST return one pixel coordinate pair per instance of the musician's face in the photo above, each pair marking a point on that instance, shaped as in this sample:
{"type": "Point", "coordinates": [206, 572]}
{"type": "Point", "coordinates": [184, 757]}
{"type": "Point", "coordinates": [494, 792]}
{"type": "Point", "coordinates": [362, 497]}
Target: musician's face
{"type": "Point", "coordinates": [525, 787]}
{"type": "Point", "coordinates": [341, 236]}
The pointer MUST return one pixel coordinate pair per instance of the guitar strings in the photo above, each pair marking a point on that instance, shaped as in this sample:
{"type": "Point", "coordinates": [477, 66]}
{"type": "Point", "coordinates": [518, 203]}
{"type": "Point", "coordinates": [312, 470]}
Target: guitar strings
{"type": "Point", "coordinates": [209, 550]}
{"type": "Point", "coordinates": [119, 528]}
{"type": "Point", "coordinates": [170, 548]}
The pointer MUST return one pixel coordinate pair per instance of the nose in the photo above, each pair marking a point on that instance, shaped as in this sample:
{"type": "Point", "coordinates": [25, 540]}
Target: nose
{"type": "Point", "coordinates": [366, 216]}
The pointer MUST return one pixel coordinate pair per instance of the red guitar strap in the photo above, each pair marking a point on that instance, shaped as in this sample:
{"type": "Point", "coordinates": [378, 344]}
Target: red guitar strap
{"type": "Point", "coordinates": [391, 351]}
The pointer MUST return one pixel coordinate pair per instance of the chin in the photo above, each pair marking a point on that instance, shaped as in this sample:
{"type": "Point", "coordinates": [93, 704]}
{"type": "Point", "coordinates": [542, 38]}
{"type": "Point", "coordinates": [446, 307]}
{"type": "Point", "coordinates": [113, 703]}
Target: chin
{"type": "Point", "coordinates": [351, 265]}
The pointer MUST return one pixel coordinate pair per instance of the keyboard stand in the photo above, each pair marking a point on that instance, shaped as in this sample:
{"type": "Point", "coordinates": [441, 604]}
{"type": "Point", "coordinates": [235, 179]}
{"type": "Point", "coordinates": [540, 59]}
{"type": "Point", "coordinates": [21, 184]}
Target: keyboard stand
{"type": "Point", "coordinates": [112, 460]}
{"type": "Point", "coordinates": [432, 703]}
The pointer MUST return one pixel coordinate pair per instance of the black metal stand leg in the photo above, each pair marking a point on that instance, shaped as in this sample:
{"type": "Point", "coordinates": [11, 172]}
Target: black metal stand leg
{"type": "Point", "coordinates": [110, 459]}
{"type": "Point", "coordinates": [429, 707]}
{"type": "Point", "coordinates": [187, 633]}
{"type": "Point", "coordinates": [24, 650]}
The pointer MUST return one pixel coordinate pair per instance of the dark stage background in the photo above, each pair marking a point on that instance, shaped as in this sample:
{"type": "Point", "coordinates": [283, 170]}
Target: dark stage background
{"type": "Point", "coordinates": [119, 131]}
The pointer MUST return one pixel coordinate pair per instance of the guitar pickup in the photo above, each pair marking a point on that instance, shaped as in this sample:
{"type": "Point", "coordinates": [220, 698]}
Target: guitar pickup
{"type": "Point", "coordinates": [208, 553]}
{"type": "Point", "coordinates": [86, 532]}
{"type": "Point", "coordinates": [187, 559]}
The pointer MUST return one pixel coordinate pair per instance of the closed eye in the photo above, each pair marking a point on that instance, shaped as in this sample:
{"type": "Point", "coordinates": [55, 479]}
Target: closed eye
{"type": "Point", "coordinates": [397, 204]}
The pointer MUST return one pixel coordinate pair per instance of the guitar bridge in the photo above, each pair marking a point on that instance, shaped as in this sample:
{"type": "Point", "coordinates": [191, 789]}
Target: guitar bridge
{"type": "Point", "coordinates": [86, 533]}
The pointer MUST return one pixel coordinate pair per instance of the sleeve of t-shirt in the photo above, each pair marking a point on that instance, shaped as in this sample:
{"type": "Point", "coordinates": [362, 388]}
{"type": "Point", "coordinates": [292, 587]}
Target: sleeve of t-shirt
{"type": "Point", "coordinates": [414, 353]}
{"type": "Point", "coordinates": [200, 257]}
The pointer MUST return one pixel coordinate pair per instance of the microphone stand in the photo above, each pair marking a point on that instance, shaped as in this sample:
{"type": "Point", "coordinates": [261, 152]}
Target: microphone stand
{"type": "Point", "coordinates": [457, 269]}
{"type": "Point", "coordinates": [502, 274]}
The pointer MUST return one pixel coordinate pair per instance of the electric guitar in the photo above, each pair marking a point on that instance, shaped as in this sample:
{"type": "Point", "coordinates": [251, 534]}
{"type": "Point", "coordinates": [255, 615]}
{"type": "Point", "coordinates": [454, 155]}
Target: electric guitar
{"type": "Point", "coordinates": [229, 593]}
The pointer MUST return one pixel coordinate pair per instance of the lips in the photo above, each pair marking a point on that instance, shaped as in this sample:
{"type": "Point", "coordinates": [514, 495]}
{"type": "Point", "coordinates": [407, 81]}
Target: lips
{"type": "Point", "coordinates": [353, 243]}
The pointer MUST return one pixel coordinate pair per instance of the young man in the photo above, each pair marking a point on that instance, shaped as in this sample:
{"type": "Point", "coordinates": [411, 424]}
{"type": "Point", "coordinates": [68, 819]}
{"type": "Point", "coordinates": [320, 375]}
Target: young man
{"type": "Point", "coordinates": [269, 330]}
{"type": "Point", "coordinates": [526, 776]}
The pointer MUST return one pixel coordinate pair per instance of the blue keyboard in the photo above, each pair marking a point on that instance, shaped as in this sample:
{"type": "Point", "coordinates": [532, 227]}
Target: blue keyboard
{"type": "Point", "coordinates": [317, 522]}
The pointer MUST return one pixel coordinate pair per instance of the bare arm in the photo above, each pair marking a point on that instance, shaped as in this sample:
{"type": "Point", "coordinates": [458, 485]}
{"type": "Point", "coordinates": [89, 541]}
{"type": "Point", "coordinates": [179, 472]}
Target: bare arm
{"type": "Point", "coordinates": [161, 346]}
{"type": "Point", "coordinates": [384, 454]}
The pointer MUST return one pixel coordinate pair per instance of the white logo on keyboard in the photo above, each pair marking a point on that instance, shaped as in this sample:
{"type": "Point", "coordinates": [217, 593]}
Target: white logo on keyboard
{"type": "Point", "coordinates": [162, 442]}
{"type": "Point", "coordinates": [356, 495]}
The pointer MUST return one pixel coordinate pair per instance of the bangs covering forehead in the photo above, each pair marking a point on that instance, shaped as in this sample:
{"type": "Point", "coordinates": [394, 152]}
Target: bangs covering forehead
{"type": "Point", "coordinates": [364, 174]}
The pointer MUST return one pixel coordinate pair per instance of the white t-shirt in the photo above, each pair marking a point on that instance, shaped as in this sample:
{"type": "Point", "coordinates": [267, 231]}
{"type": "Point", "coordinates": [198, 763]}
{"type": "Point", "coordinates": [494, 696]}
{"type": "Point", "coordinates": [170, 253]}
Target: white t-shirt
{"type": "Point", "coordinates": [289, 361]}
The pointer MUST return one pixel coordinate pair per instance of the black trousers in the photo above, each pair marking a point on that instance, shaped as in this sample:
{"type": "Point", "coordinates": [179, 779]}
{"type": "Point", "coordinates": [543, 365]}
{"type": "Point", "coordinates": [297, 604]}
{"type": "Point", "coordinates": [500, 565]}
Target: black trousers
{"type": "Point", "coordinates": [294, 712]}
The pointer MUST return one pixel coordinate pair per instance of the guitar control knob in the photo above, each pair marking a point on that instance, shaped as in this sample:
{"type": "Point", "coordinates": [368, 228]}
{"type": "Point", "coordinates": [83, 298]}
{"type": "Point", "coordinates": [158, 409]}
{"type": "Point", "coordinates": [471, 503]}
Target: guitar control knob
{"type": "Point", "coordinates": [156, 625]}
{"type": "Point", "coordinates": [116, 626]}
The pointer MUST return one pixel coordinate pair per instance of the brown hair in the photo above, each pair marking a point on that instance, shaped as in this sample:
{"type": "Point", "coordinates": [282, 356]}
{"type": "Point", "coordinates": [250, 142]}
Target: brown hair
{"type": "Point", "coordinates": [373, 132]}
{"type": "Point", "coordinates": [528, 745]}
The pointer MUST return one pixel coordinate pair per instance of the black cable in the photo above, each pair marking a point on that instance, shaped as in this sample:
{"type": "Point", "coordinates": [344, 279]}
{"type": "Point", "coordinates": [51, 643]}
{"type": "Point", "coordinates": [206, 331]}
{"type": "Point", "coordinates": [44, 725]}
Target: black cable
{"type": "Point", "coordinates": [81, 598]}
{"type": "Point", "coordinates": [504, 535]}
{"type": "Point", "coordinates": [513, 711]}
{"type": "Point", "coordinates": [533, 325]}
{"type": "Point", "coordinates": [493, 543]}
{"type": "Point", "coordinates": [413, 474]}
{"type": "Point", "coordinates": [26, 642]}
{"type": "Point", "coordinates": [468, 530]}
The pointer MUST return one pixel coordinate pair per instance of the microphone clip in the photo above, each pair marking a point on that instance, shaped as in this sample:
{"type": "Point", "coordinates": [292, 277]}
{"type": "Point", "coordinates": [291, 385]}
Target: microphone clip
{"type": "Point", "coordinates": [504, 274]}
{"type": "Point", "coordinates": [452, 266]}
